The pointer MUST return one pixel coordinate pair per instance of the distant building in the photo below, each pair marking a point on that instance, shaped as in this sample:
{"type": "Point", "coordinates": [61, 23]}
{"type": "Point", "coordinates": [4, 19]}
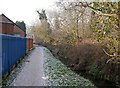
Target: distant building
{"type": "Point", "coordinates": [7, 26]}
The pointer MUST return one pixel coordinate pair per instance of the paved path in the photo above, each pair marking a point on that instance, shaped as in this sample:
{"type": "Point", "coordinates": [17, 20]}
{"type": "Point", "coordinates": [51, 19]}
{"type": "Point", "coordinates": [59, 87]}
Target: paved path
{"type": "Point", "coordinates": [32, 73]}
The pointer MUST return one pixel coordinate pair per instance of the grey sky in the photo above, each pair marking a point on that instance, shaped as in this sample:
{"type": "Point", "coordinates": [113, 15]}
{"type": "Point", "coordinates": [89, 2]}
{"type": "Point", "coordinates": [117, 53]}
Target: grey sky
{"type": "Point", "coordinates": [25, 9]}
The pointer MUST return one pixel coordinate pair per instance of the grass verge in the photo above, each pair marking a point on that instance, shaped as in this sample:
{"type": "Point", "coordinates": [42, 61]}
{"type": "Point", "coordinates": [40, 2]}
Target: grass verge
{"type": "Point", "coordinates": [59, 75]}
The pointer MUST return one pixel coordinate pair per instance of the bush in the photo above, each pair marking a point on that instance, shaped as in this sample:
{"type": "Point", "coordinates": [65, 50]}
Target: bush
{"type": "Point", "coordinates": [86, 55]}
{"type": "Point", "coordinates": [95, 70]}
{"type": "Point", "coordinates": [89, 58]}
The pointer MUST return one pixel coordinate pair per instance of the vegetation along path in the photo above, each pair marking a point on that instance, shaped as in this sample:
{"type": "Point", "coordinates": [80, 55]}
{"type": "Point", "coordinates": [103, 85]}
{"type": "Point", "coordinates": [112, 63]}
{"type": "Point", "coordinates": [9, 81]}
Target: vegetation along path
{"type": "Point", "coordinates": [44, 70]}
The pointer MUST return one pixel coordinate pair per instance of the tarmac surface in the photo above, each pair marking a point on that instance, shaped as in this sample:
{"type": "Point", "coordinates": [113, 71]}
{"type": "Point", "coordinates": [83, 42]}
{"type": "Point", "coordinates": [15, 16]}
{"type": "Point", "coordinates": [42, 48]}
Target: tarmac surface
{"type": "Point", "coordinates": [32, 73]}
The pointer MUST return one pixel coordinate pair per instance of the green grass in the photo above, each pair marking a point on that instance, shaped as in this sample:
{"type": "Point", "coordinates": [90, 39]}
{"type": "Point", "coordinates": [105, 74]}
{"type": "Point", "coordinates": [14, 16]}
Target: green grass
{"type": "Point", "coordinates": [59, 75]}
{"type": "Point", "coordinates": [0, 81]}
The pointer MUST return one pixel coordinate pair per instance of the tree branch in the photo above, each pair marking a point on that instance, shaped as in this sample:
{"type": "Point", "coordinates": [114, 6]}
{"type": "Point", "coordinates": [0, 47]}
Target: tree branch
{"type": "Point", "coordinates": [97, 11]}
{"type": "Point", "coordinates": [103, 14]}
{"type": "Point", "coordinates": [110, 54]}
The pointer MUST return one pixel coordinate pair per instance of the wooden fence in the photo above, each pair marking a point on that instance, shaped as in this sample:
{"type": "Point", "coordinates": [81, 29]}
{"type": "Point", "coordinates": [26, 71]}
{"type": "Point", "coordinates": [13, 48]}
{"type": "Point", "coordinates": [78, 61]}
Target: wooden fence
{"type": "Point", "coordinates": [29, 44]}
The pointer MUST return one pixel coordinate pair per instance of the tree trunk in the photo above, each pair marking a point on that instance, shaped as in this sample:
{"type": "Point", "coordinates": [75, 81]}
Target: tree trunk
{"type": "Point", "coordinates": [77, 31]}
{"type": "Point", "coordinates": [119, 27]}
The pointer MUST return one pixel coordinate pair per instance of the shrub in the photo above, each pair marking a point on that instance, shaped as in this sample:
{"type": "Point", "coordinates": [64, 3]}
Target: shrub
{"type": "Point", "coordinates": [86, 55]}
{"type": "Point", "coordinates": [95, 70]}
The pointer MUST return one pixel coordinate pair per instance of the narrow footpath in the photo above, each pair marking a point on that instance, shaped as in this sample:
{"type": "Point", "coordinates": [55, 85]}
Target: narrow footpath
{"type": "Point", "coordinates": [42, 69]}
{"type": "Point", "coordinates": [32, 73]}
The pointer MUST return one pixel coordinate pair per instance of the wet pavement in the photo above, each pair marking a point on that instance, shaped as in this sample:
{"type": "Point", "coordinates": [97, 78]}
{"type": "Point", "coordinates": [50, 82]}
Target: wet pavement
{"type": "Point", "coordinates": [32, 73]}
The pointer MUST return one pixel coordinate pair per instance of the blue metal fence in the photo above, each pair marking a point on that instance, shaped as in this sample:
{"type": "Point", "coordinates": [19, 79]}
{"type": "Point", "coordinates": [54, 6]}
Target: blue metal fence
{"type": "Point", "coordinates": [13, 48]}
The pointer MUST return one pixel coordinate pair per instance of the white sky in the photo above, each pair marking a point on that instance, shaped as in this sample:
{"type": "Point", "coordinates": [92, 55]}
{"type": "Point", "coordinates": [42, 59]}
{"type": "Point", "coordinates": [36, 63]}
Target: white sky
{"type": "Point", "coordinates": [24, 10]}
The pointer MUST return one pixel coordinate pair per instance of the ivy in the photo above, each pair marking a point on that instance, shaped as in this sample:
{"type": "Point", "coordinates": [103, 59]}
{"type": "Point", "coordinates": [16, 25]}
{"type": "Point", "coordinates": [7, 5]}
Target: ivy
{"type": "Point", "coordinates": [106, 28]}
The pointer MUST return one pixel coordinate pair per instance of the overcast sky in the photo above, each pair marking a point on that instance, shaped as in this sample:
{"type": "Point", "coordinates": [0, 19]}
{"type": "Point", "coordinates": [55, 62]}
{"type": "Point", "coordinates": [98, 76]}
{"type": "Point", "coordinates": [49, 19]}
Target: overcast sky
{"type": "Point", "coordinates": [24, 10]}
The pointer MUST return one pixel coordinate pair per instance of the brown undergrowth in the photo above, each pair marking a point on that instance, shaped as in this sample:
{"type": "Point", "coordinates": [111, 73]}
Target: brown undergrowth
{"type": "Point", "coordinates": [89, 58]}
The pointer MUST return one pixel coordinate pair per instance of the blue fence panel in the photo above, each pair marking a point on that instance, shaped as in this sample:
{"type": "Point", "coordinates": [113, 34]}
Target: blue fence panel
{"type": "Point", "coordinates": [13, 48]}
